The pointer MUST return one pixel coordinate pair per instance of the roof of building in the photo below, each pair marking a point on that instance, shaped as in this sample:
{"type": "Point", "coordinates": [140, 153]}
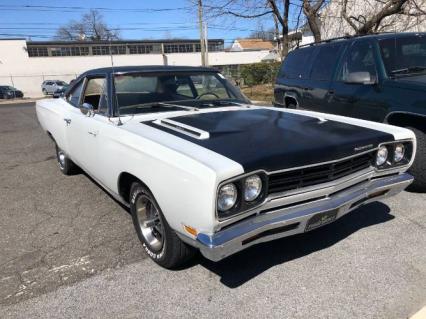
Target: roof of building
{"type": "Point", "coordinates": [148, 69]}
{"type": "Point", "coordinates": [120, 41]}
{"type": "Point", "coordinates": [255, 44]}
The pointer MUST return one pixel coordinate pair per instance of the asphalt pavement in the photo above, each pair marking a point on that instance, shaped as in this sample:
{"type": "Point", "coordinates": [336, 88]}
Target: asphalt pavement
{"type": "Point", "coordinates": [68, 250]}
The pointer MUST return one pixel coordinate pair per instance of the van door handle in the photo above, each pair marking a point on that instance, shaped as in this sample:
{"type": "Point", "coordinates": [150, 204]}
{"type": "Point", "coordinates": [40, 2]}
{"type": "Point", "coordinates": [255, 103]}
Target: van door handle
{"type": "Point", "coordinates": [94, 133]}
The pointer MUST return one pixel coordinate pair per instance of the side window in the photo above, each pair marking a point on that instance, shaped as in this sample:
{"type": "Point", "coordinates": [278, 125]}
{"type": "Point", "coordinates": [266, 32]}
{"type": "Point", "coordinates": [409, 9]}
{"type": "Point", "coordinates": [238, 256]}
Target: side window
{"type": "Point", "coordinates": [183, 87]}
{"type": "Point", "coordinates": [358, 58]}
{"type": "Point", "coordinates": [74, 96]}
{"type": "Point", "coordinates": [325, 62]}
{"type": "Point", "coordinates": [95, 94]}
{"type": "Point", "coordinates": [296, 64]}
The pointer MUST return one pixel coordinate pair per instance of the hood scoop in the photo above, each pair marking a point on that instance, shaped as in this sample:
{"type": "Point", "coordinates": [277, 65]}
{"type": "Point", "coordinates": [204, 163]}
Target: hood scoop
{"type": "Point", "coordinates": [183, 128]}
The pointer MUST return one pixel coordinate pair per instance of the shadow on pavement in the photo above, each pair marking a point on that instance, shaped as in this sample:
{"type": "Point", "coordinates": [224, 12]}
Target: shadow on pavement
{"type": "Point", "coordinates": [242, 267]}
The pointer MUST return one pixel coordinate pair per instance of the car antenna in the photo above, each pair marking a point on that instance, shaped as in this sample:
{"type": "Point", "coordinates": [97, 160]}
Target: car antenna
{"type": "Point", "coordinates": [113, 82]}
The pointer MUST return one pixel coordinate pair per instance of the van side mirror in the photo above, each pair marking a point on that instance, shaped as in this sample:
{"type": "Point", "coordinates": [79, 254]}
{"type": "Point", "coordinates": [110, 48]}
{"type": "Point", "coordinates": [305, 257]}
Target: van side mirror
{"type": "Point", "coordinates": [87, 109]}
{"type": "Point", "coordinates": [361, 78]}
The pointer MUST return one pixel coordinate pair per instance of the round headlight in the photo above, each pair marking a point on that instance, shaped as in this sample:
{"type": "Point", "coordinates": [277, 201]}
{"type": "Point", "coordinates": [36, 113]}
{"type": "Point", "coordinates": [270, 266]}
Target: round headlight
{"type": "Point", "coordinates": [226, 197]}
{"type": "Point", "coordinates": [382, 155]}
{"type": "Point", "coordinates": [252, 188]}
{"type": "Point", "coordinates": [398, 154]}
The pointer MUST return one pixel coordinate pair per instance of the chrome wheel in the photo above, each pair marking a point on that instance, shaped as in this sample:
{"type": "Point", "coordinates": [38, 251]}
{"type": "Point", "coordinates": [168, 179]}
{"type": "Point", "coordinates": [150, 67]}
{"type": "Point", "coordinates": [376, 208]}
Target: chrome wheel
{"type": "Point", "coordinates": [149, 223]}
{"type": "Point", "coordinates": [61, 159]}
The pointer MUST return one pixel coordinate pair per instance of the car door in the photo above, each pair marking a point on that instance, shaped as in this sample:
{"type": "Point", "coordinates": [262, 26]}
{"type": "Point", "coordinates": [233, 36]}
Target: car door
{"type": "Point", "coordinates": [317, 90]}
{"type": "Point", "coordinates": [84, 129]}
{"type": "Point", "coordinates": [356, 90]}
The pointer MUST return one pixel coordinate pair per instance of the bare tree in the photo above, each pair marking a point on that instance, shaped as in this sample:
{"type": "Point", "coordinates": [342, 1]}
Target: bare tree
{"type": "Point", "coordinates": [252, 9]}
{"type": "Point", "coordinates": [311, 10]}
{"type": "Point", "coordinates": [374, 22]}
{"type": "Point", "coordinates": [90, 27]}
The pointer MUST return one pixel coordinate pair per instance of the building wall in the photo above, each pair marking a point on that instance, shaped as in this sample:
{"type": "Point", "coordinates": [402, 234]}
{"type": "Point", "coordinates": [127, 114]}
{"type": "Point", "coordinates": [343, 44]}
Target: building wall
{"type": "Point", "coordinates": [27, 74]}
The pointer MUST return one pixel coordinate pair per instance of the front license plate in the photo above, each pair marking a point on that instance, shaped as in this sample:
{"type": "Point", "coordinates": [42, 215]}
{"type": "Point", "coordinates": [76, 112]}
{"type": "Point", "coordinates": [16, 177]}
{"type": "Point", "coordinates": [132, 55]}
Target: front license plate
{"type": "Point", "coordinates": [321, 219]}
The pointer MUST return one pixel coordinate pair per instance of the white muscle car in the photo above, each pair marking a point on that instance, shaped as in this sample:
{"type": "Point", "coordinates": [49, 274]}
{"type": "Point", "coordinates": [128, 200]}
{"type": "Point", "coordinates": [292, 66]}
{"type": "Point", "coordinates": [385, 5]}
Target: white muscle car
{"type": "Point", "coordinates": [202, 168]}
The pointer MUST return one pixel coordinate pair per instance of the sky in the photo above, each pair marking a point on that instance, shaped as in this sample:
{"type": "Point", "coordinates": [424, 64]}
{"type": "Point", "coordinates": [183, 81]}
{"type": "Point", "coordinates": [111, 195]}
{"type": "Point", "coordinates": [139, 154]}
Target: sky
{"type": "Point", "coordinates": [137, 19]}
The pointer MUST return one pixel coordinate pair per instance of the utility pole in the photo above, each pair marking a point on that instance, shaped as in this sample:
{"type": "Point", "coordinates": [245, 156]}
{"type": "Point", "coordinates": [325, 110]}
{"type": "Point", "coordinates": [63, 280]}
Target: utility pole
{"type": "Point", "coordinates": [206, 45]}
{"type": "Point", "coordinates": [202, 41]}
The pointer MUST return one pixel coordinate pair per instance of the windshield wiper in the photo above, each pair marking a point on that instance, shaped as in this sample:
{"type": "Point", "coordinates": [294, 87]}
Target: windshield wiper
{"type": "Point", "coordinates": [145, 105]}
{"type": "Point", "coordinates": [411, 69]}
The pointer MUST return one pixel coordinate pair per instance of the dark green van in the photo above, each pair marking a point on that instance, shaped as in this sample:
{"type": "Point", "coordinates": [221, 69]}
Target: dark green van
{"type": "Point", "coordinates": [378, 77]}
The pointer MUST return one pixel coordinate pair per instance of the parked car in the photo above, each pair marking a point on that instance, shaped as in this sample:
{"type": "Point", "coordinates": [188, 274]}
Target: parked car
{"type": "Point", "coordinates": [59, 92]}
{"type": "Point", "coordinates": [51, 86]}
{"type": "Point", "coordinates": [202, 168]}
{"type": "Point", "coordinates": [9, 92]}
{"type": "Point", "coordinates": [379, 77]}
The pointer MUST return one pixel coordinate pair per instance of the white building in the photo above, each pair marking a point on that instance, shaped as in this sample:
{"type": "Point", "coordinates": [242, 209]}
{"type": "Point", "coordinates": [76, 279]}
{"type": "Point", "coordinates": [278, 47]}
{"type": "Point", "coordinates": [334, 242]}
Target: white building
{"type": "Point", "coordinates": [26, 64]}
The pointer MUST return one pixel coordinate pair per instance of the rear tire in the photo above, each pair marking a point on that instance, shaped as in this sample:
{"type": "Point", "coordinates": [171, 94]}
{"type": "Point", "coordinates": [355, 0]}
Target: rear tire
{"type": "Point", "coordinates": [418, 169]}
{"type": "Point", "coordinates": [159, 241]}
{"type": "Point", "coordinates": [66, 165]}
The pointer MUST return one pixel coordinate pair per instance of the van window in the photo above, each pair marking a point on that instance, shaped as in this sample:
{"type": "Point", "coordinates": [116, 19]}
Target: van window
{"type": "Point", "coordinates": [296, 64]}
{"type": "Point", "coordinates": [325, 61]}
{"type": "Point", "coordinates": [358, 58]}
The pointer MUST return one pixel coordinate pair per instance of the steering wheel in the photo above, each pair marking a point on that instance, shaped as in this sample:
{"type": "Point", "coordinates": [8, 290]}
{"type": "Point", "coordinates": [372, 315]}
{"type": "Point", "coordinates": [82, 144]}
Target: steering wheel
{"type": "Point", "coordinates": [207, 93]}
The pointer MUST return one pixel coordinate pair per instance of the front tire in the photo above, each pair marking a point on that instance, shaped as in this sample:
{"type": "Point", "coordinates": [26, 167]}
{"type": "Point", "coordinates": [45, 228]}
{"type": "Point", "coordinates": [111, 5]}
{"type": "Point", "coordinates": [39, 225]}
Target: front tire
{"type": "Point", "coordinates": [418, 169]}
{"type": "Point", "coordinates": [66, 165]}
{"type": "Point", "coordinates": [44, 91]}
{"type": "Point", "coordinates": [159, 241]}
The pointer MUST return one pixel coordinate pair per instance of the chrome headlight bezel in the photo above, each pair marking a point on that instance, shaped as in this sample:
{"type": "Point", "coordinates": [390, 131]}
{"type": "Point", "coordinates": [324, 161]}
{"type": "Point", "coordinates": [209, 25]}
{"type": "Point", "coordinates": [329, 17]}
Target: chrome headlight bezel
{"type": "Point", "coordinates": [242, 204]}
{"type": "Point", "coordinates": [391, 163]}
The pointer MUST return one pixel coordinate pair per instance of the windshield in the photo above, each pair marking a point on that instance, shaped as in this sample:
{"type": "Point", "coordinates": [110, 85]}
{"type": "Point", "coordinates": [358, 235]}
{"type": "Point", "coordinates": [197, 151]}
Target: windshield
{"type": "Point", "coordinates": [62, 83]}
{"type": "Point", "coordinates": [404, 55]}
{"type": "Point", "coordinates": [142, 93]}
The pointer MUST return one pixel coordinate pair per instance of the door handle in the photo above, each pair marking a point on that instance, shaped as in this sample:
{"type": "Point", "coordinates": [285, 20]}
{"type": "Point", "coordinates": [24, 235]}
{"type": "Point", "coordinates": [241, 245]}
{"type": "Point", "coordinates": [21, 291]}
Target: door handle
{"type": "Point", "coordinates": [331, 92]}
{"type": "Point", "coordinates": [67, 121]}
{"type": "Point", "coordinates": [94, 133]}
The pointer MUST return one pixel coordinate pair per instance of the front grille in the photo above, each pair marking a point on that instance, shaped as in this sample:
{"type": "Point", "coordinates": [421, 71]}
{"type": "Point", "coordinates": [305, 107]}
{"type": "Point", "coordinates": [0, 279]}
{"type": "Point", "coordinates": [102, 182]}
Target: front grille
{"type": "Point", "coordinates": [314, 175]}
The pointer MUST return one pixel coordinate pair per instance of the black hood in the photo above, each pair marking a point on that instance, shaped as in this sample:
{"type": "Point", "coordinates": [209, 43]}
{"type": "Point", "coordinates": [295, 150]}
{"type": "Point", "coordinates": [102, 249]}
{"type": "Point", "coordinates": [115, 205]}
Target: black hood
{"type": "Point", "coordinates": [274, 140]}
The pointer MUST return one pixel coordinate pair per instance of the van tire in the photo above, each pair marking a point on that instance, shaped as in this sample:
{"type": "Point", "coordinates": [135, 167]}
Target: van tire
{"type": "Point", "coordinates": [418, 169]}
{"type": "Point", "coordinates": [164, 247]}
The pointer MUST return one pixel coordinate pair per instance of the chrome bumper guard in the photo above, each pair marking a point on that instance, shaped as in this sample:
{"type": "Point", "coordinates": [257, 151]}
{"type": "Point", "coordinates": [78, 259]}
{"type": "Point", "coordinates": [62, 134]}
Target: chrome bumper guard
{"type": "Point", "coordinates": [287, 221]}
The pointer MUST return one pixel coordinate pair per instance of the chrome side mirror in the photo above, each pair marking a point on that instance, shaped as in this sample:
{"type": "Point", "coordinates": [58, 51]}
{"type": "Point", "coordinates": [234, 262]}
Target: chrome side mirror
{"type": "Point", "coordinates": [87, 109]}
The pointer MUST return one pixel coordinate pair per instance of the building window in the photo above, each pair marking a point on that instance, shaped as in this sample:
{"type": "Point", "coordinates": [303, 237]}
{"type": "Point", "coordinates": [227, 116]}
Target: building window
{"type": "Point", "coordinates": [100, 50]}
{"type": "Point", "coordinates": [186, 47]}
{"type": "Point", "coordinates": [141, 49]}
{"type": "Point", "coordinates": [214, 47]}
{"type": "Point", "coordinates": [171, 48]}
{"type": "Point", "coordinates": [37, 51]}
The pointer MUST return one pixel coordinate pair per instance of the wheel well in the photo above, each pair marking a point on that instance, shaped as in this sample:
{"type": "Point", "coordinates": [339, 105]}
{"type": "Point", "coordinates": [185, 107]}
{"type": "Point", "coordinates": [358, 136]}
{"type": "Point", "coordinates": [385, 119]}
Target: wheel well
{"type": "Point", "coordinates": [51, 136]}
{"type": "Point", "coordinates": [404, 120]}
{"type": "Point", "coordinates": [125, 181]}
{"type": "Point", "coordinates": [289, 99]}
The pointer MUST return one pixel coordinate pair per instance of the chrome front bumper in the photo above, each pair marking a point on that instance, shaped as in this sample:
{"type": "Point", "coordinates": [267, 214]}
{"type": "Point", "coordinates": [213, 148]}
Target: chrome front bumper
{"type": "Point", "coordinates": [287, 221]}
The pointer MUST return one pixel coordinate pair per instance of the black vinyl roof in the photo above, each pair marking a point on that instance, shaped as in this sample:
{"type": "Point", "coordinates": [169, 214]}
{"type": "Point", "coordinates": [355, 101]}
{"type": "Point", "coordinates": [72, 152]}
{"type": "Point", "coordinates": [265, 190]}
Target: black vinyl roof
{"type": "Point", "coordinates": [148, 69]}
